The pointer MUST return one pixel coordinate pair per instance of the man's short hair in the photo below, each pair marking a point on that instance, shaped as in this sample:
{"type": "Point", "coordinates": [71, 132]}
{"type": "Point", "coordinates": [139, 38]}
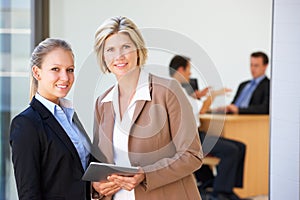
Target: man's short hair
{"type": "Point", "coordinates": [176, 62]}
{"type": "Point", "coordinates": [262, 55]}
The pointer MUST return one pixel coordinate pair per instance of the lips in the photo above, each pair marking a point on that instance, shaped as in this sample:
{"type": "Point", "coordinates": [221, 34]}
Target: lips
{"type": "Point", "coordinates": [120, 65]}
{"type": "Point", "coordinates": [61, 86]}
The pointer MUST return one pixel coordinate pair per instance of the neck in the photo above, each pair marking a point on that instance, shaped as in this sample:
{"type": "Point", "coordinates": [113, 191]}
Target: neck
{"type": "Point", "coordinates": [259, 76]}
{"type": "Point", "coordinates": [128, 82]}
{"type": "Point", "coordinates": [54, 100]}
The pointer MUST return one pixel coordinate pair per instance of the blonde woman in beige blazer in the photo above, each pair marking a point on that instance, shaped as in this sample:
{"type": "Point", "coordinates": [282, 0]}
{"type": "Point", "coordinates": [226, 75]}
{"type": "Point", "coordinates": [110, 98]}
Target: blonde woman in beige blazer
{"type": "Point", "coordinates": [143, 121]}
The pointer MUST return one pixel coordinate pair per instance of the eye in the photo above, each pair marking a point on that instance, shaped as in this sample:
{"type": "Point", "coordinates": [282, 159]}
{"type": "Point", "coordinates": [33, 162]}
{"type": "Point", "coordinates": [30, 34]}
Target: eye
{"type": "Point", "coordinates": [110, 49]}
{"type": "Point", "coordinates": [70, 70]}
{"type": "Point", "coordinates": [55, 69]}
{"type": "Point", "coordinates": [126, 46]}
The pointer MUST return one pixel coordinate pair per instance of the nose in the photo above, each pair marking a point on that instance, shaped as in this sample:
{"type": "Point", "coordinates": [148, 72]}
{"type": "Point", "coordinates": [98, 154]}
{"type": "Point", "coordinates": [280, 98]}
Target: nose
{"type": "Point", "coordinates": [119, 55]}
{"type": "Point", "coordinates": [64, 75]}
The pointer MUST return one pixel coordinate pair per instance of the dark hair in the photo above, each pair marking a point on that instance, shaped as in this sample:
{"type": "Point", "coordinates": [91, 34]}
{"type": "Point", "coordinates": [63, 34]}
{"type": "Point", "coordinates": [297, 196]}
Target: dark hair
{"type": "Point", "coordinates": [262, 55]}
{"type": "Point", "coordinates": [176, 62]}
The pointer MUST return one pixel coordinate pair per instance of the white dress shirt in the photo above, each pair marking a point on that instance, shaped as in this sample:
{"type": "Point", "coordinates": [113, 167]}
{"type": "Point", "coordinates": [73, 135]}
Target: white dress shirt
{"type": "Point", "coordinates": [196, 105]}
{"type": "Point", "coordinates": [121, 127]}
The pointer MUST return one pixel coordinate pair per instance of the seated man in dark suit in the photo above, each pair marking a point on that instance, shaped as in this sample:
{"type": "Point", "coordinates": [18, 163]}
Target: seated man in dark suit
{"type": "Point", "coordinates": [232, 153]}
{"type": "Point", "coordinates": [253, 95]}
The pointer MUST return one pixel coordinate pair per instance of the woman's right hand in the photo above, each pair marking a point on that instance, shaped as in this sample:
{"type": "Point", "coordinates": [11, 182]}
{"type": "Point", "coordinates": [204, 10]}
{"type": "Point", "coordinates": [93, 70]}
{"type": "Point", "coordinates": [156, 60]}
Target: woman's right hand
{"type": "Point", "coordinates": [106, 188]}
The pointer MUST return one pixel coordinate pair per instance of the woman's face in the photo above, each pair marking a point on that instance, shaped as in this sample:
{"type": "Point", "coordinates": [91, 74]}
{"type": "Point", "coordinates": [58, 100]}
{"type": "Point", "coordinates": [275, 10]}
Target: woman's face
{"type": "Point", "coordinates": [120, 54]}
{"type": "Point", "coordinates": [56, 75]}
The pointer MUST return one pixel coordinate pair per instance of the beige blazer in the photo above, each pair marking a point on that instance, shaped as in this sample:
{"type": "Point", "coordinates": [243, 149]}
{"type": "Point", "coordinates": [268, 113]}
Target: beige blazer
{"type": "Point", "coordinates": [163, 140]}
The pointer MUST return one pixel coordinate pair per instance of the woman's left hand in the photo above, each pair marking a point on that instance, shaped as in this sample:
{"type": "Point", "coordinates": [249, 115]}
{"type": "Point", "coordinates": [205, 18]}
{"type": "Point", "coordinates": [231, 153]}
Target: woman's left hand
{"type": "Point", "coordinates": [126, 182]}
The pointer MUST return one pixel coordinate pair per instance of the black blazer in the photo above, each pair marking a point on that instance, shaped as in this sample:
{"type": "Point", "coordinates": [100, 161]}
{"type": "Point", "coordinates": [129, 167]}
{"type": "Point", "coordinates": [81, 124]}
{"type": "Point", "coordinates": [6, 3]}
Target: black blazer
{"type": "Point", "coordinates": [260, 100]}
{"type": "Point", "coordinates": [46, 163]}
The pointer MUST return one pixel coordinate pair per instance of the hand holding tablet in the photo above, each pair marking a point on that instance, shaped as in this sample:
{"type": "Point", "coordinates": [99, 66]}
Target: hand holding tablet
{"type": "Point", "coordinates": [100, 171]}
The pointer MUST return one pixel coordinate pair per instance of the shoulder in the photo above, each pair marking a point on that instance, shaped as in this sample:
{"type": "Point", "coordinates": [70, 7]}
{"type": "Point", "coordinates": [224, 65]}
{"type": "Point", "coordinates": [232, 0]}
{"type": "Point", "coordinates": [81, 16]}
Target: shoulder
{"type": "Point", "coordinates": [104, 94]}
{"type": "Point", "coordinates": [265, 83]}
{"type": "Point", "coordinates": [28, 122]}
{"type": "Point", "coordinates": [166, 89]}
{"type": "Point", "coordinates": [155, 78]}
{"type": "Point", "coordinates": [29, 114]}
{"type": "Point", "coordinates": [164, 83]}
{"type": "Point", "coordinates": [99, 99]}
{"type": "Point", "coordinates": [266, 80]}
{"type": "Point", "coordinates": [244, 83]}
{"type": "Point", "coordinates": [33, 115]}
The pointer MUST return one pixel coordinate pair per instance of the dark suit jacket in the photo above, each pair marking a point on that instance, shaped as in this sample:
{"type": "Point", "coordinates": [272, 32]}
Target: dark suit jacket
{"type": "Point", "coordinates": [259, 102]}
{"type": "Point", "coordinates": [46, 163]}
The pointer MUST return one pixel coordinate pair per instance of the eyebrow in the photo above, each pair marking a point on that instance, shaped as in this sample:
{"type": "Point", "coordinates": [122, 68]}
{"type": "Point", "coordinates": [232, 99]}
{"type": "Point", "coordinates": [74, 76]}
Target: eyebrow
{"type": "Point", "coordinates": [62, 65]}
{"type": "Point", "coordinates": [120, 45]}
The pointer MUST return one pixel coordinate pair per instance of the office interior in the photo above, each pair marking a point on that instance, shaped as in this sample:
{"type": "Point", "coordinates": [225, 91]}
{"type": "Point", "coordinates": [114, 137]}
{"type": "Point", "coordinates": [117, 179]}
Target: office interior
{"type": "Point", "coordinates": [225, 32]}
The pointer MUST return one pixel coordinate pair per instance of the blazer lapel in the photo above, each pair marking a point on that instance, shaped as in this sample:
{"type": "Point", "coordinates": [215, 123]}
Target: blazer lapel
{"type": "Point", "coordinates": [50, 120]}
{"type": "Point", "coordinates": [258, 89]}
{"type": "Point", "coordinates": [87, 143]}
{"type": "Point", "coordinates": [94, 151]}
{"type": "Point", "coordinates": [138, 109]}
{"type": "Point", "coordinates": [108, 120]}
{"type": "Point", "coordinates": [107, 126]}
{"type": "Point", "coordinates": [140, 104]}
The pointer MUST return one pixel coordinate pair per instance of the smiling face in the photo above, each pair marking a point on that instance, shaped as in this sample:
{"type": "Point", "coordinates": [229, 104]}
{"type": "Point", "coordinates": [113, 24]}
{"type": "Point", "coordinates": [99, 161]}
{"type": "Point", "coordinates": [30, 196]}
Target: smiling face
{"type": "Point", "coordinates": [56, 75]}
{"type": "Point", "coordinates": [120, 54]}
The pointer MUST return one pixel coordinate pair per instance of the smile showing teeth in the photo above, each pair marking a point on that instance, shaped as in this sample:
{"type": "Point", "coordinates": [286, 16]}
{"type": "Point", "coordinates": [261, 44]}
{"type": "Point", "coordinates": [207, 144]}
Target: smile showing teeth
{"type": "Point", "coordinates": [120, 65]}
{"type": "Point", "coordinates": [62, 86]}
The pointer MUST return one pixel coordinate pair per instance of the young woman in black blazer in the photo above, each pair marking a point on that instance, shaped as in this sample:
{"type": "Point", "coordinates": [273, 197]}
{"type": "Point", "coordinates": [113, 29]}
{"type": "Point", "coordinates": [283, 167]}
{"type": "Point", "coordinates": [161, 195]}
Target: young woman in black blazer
{"type": "Point", "coordinates": [50, 151]}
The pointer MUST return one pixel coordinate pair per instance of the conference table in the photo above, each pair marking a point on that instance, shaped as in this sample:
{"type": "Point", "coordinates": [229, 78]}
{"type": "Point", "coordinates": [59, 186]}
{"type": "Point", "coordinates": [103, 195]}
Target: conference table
{"type": "Point", "coordinates": [253, 131]}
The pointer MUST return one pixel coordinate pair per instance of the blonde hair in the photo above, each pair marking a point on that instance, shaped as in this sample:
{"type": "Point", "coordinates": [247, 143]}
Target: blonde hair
{"type": "Point", "coordinates": [114, 25]}
{"type": "Point", "coordinates": [38, 55]}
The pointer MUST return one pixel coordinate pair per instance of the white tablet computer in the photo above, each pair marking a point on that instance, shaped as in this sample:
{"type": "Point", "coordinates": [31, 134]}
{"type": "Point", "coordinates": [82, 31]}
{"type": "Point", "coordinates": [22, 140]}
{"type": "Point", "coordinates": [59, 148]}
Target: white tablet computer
{"type": "Point", "coordinates": [99, 171]}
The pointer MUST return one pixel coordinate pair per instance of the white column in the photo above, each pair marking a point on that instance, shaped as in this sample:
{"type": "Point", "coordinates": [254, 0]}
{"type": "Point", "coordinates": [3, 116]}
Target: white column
{"type": "Point", "coordinates": [285, 101]}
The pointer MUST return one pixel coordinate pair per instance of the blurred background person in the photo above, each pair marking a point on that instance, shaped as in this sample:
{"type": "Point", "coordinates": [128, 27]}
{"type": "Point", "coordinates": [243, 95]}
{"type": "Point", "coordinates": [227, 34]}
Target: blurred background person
{"type": "Point", "coordinates": [231, 153]}
{"type": "Point", "coordinates": [253, 96]}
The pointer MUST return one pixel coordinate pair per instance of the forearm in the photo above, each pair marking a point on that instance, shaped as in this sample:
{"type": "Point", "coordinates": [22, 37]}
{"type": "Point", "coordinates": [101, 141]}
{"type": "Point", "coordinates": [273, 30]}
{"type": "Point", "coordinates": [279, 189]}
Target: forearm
{"type": "Point", "coordinates": [26, 175]}
{"type": "Point", "coordinates": [259, 109]}
{"type": "Point", "coordinates": [206, 105]}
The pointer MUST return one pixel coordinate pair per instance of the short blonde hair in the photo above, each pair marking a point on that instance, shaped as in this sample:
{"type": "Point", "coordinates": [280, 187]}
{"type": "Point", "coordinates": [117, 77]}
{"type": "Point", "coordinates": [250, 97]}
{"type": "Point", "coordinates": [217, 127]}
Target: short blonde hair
{"type": "Point", "coordinates": [114, 25]}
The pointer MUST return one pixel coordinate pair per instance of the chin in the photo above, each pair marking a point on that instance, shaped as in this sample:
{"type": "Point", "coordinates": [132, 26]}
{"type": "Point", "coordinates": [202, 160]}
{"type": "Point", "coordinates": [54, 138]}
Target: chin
{"type": "Point", "coordinates": [62, 95]}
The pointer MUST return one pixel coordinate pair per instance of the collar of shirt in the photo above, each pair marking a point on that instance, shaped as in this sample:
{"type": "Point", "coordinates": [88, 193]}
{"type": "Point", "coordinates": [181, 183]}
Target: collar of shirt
{"type": "Point", "coordinates": [259, 79]}
{"type": "Point", "coordinates": [142, 89]}
{"type": "Point", "coordinates": [65, 105]}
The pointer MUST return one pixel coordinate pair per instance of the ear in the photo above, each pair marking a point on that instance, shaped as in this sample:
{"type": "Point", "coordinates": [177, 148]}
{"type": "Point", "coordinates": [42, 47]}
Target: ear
{"type": "Point", "coordinates": [36, 72]}
{"type": "Point", "coordinates": [180, 69]}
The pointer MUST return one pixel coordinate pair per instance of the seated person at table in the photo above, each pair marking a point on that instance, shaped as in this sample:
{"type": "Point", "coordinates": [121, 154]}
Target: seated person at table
{"type": "Point", "coordinates": [230, 152]}
{"type": "Point", "coordinates": [253, 95]}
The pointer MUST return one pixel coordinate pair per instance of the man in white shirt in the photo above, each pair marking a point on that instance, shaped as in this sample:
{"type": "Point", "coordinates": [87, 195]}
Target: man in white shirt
{"type": "Point", "coordinates": [231, 153]}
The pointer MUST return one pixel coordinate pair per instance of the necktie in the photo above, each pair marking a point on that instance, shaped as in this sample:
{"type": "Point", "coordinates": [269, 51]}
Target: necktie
{"type": "Point", "coordinates": [244, 98]}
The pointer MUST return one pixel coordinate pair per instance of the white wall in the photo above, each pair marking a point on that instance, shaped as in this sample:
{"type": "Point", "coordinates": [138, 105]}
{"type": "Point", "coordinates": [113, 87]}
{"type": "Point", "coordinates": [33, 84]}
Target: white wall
{"type": "Point", "coordinates": [285, 102]}
{"type": "Point", "coordinates": [227, 30]}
